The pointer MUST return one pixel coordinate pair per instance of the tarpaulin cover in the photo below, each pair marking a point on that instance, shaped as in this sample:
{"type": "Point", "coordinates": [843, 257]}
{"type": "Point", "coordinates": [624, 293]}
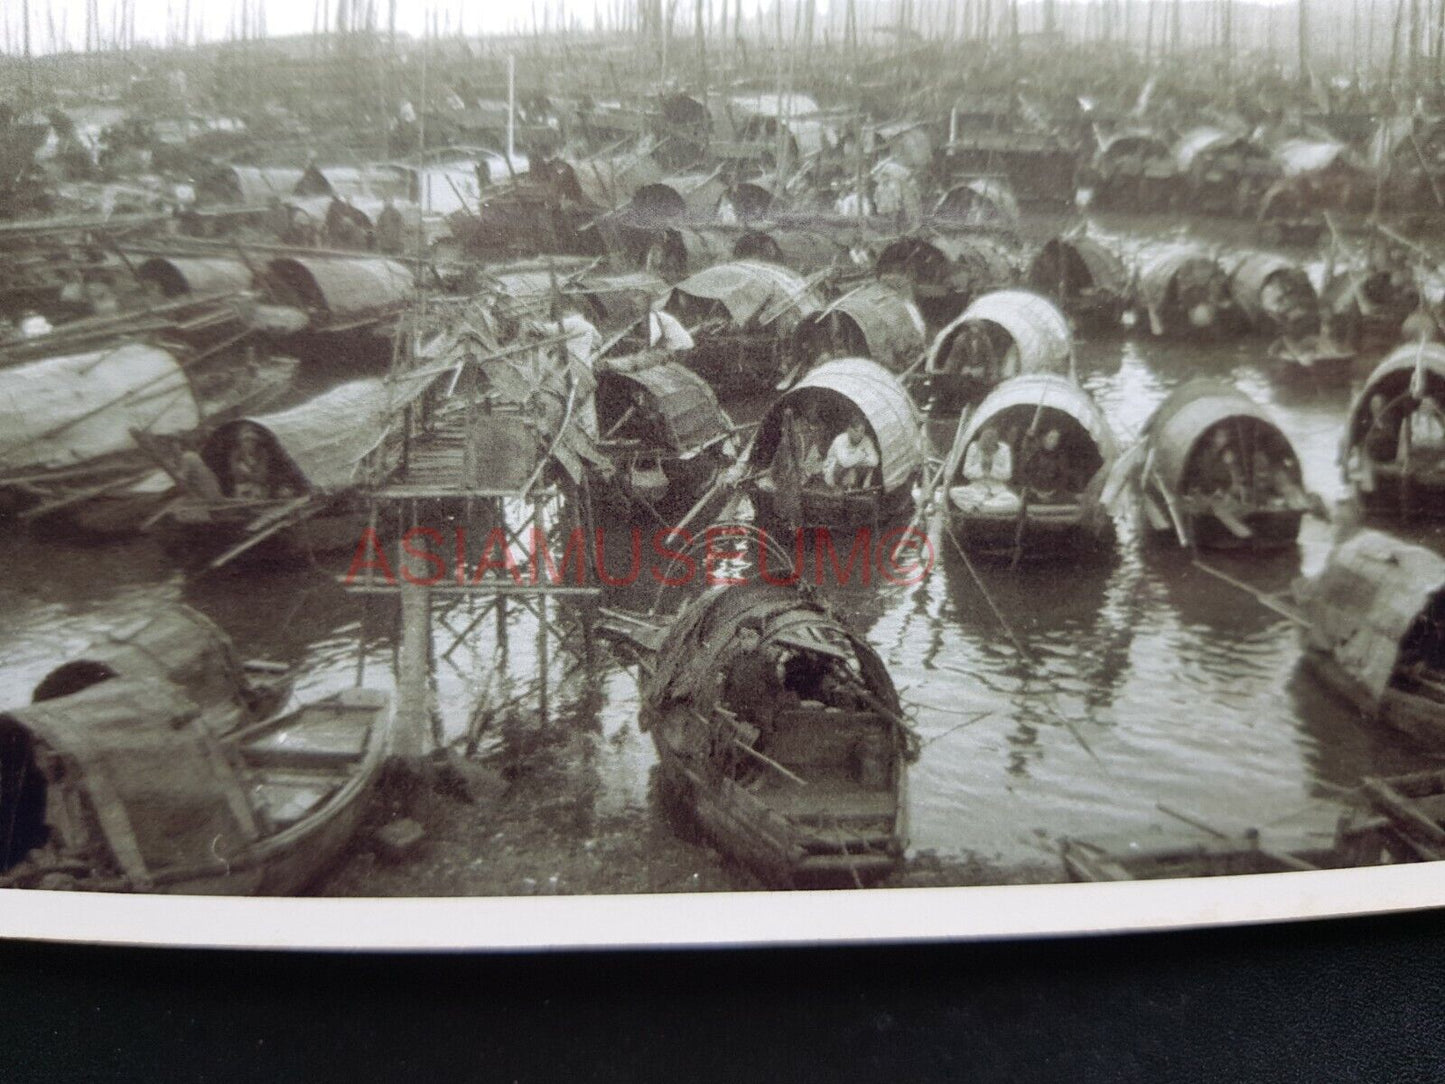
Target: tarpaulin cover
{"type": "Point", "coordinates": [750, 289]}
{"type": "Point", "coordinates": [69, 410]}
{"type": "Point", "coordinates": [328, 438]}
{"type": "Point", "coordinates": [162, 788]}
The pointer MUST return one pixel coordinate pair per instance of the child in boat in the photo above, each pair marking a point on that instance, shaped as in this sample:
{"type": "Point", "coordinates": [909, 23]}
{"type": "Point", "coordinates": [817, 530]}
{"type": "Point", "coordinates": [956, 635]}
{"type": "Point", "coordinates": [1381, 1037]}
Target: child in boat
{"type": "Point", "coordinates": [852, 457]}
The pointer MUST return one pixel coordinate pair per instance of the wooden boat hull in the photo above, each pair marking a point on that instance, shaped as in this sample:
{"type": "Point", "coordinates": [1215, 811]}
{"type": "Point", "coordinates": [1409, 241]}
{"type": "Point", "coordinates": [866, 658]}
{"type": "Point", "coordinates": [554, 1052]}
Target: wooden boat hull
{"type": "Point", "coordinates": [1269, 529]}
{"type": "Point", "coordinates": [1048, 533]}
{"type": "Point", "coordinates": [1394, 497]}
{"type": "Point", "coordinates": [831, 510]}
{"type": "Point", "coordinates": [206, 534]}
{"type": "Point", "coordinates": [1417, 717]}
{"type": "Point", "coordinates": [764, 842]}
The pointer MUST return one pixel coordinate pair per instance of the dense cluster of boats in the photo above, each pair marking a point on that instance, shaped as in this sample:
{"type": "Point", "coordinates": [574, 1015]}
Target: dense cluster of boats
{"type": "Point", "coordinates": [248, 371]}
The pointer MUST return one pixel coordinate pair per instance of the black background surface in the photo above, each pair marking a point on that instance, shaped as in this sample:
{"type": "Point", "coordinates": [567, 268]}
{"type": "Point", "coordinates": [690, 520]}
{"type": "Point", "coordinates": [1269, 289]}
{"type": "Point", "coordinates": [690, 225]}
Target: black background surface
{"type": "Point", "coordinates": [1355, 1000]}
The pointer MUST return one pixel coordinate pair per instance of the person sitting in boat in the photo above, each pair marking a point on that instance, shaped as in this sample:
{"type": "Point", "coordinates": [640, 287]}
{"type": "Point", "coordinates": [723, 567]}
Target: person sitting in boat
{"type": "Point", "coordinates": [249, 465]}
{"type": "Point", "coordinates": [1422, 437]}
{"type": "Point", "coordinates": [390, 229]}
{"type": "Point", "coordinates": [852, 457]}
{"type": "Point", "coordinates": [752, 690]}
{"type": "Point", "coordinates": [988, 461]}
{"type": "Point", "coordinates": [1045, 470]}
{"type": "Point", "coordinates": [1220, 472]}
{"type": "Point", "coordinates": [971, 356]}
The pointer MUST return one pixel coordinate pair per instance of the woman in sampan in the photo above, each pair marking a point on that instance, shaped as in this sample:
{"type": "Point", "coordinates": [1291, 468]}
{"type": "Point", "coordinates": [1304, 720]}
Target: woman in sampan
{"type": "Point", "coordinates": [852, 457]}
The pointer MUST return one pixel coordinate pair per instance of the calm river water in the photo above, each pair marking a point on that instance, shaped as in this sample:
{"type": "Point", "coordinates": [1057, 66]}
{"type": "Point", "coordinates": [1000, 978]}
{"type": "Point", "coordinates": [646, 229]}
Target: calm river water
{"type": "Point", "coordinates": [1152, 681]}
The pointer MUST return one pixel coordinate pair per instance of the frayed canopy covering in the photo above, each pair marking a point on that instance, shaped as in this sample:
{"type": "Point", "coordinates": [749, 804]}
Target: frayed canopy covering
{"type": "Point", "coordinates": [1363, 602]}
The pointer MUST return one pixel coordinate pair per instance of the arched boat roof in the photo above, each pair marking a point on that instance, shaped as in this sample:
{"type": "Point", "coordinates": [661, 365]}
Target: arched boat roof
{"type": "Point", "coordinates": [252, 186]}
{"type": "Point", "coordinates": [1427, 356]}
{"type": "Point", "coordinates": [983, 256]}
{"type": "Point", "coordinates": [986, 192]}
{"type": "Point", "coordinates": [1363, 601]}
{"type": "Point", "coordinates": [345, 288]}
{"type": "Point", "coordinates": [1034, 323]}
{"type": "Point", "coordinates": [1160, 270]}
{"type": "Point", "coordinates": [328, 438]}
{"type": "Point", "coordinates": [1184, 416]}
{"type": "Point", "coordinates": [1247, 279]}
{"type": "Point", "coordinates": [1124, 142]}
{"type": "Point", "coordinates": [802, 251]}
{"type": "Point", "coordinates": [174, 644]}
{"type": "Point", "coordinates": [177, 275]}
{"type": "Point", "coordinates": [1106, 270]}
{"type": "Point", "coordinates": [64, 411]}
{"type": "Point", "coordinates": [164, 788]}
{"type": "Point", "coordinates": [610, 182]}
{"type": "Point", "coordinates": [687, 403]}
{"type": "Point", "coordinates": [750, 289]}
{"type": "Point", "coordinates": [701, 642]}
{"type": "Point", "coordinates": [683, 196]}
{"type": "Point", "coordinates": [889, 321]}
{"type": "Point", "coordinates": [882, 400]}
{"type": "Point", "coordinates": [1207, 140]}
{"type": "Point", "coordinates": [1044, 391]}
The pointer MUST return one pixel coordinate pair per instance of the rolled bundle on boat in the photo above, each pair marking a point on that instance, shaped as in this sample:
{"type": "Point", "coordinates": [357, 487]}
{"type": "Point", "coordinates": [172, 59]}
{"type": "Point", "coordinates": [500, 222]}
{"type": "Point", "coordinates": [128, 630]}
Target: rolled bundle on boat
{"type": "Point", "coordinates": [1002, 334]}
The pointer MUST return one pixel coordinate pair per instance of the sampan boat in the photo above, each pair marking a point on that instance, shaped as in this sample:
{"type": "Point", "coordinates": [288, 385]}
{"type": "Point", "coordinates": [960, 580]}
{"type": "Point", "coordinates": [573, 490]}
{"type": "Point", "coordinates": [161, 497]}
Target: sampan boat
{"type": "Point", "coordinates": [127, 773]}
{"type": "Point", "coordinates": [1085, 279]}
{"type": "Point", "coordinates": [1185, 293]}
{"type": "Point", "coordinates": [743, 316]}
{"type": "Point", "coordinates": [794, 436]}
{"type": "Point", "coordinates": [1015, 517]}
{"type": "Point", "coordinates": [778, 730]}
{"type": "Point", "coordinates": [1002, 334]}
{"type": "Point", "coordinates": [663, 433]}
{"type": "Point", "coordinates": [300, 498]}
{"type": "Point", "coordinates": [1215, 472]}
{"type": "Point", "coordinates": [1374, 631]}
{"type": "Point", "coordinates": [1386, 483]}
